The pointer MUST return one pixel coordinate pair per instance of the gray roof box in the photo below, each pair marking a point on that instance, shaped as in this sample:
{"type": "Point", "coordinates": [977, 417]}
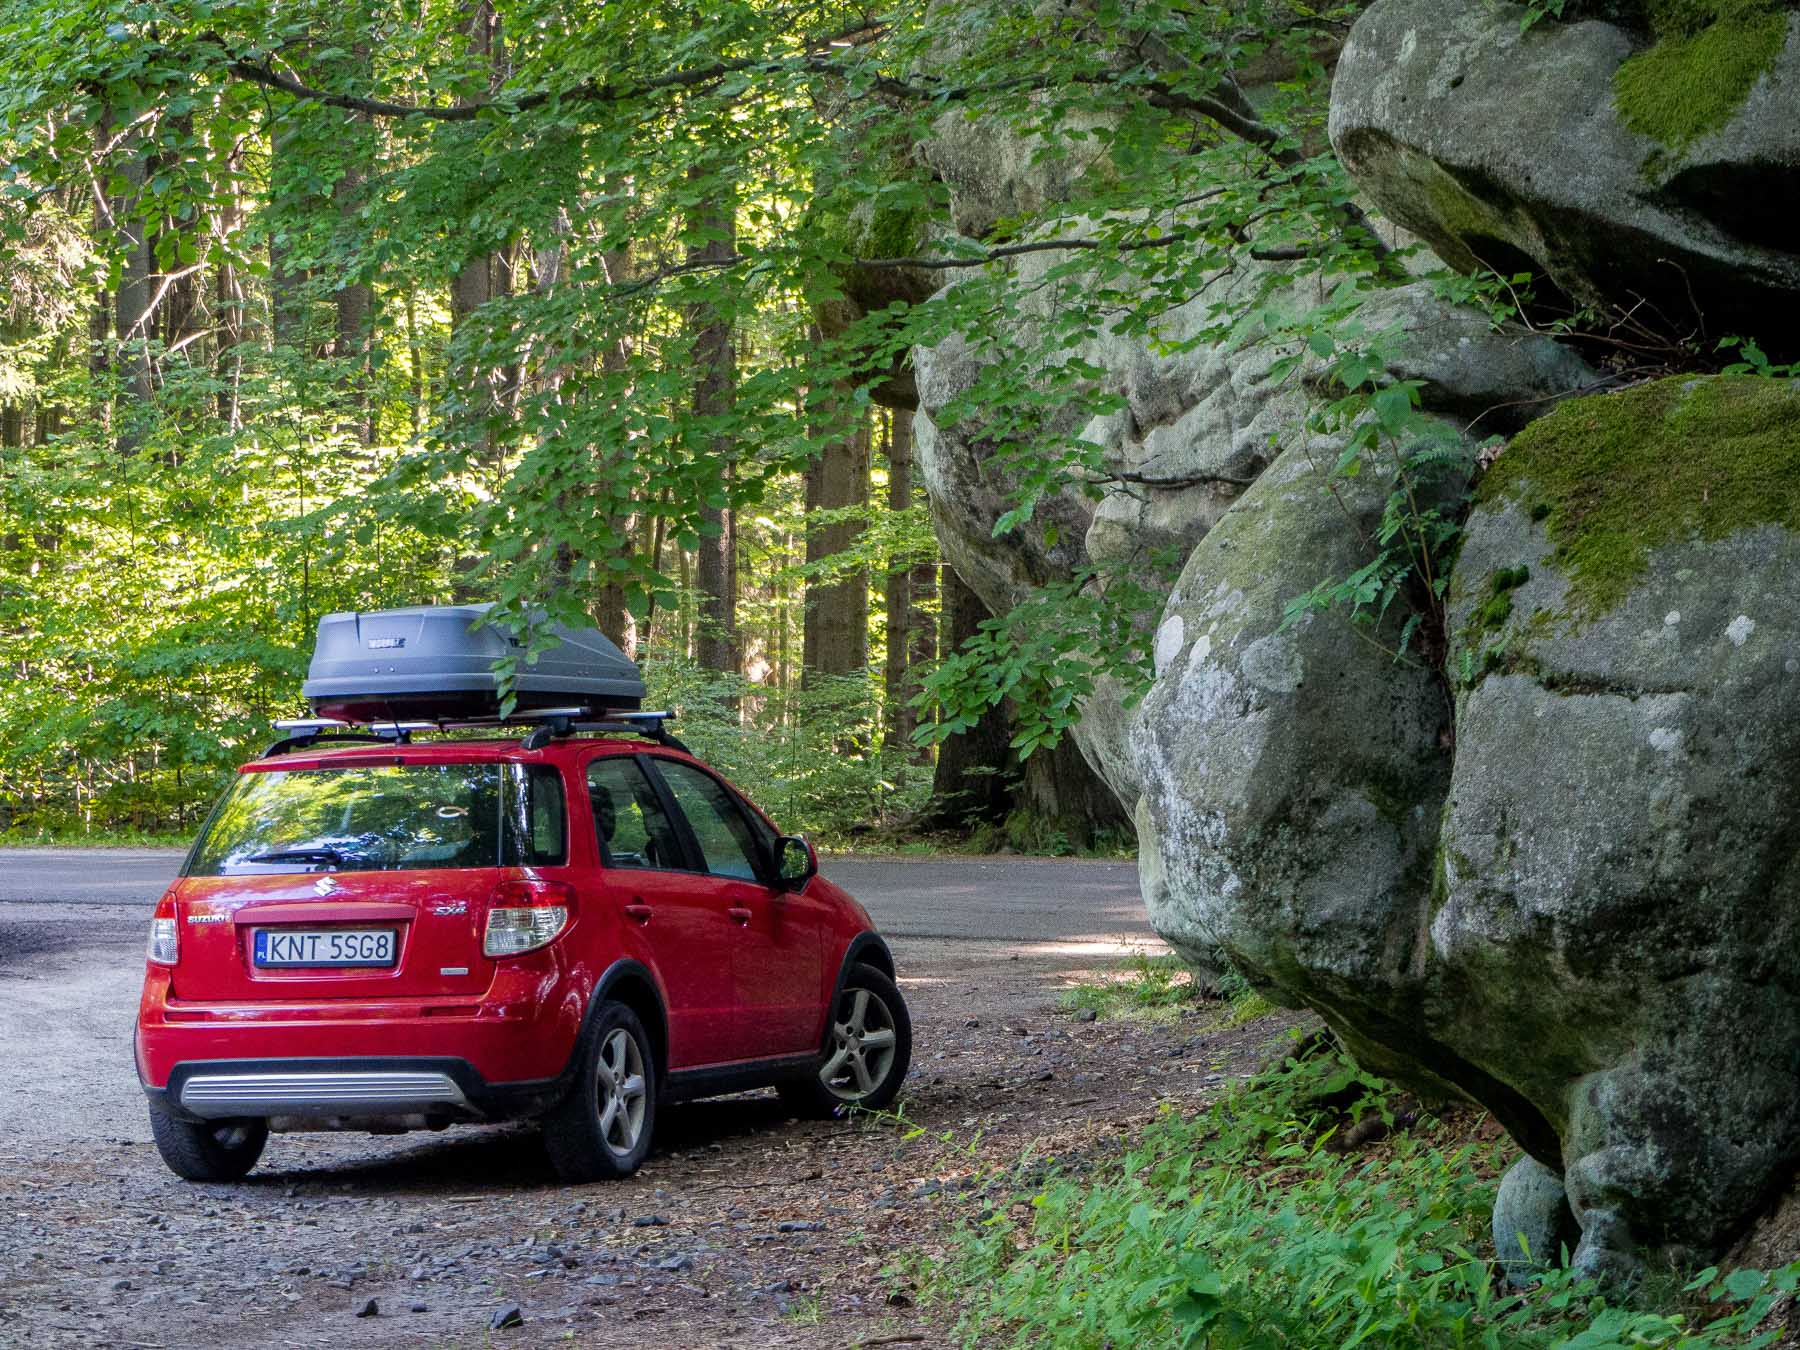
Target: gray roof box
{"type": "Point", "coordinates": [432, 663]}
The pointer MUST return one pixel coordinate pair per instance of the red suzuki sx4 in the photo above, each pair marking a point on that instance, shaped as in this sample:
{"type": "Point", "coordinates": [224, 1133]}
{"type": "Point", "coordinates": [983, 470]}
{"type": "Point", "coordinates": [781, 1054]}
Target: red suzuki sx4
{"type": "Point", "coordinates": [376, 934]}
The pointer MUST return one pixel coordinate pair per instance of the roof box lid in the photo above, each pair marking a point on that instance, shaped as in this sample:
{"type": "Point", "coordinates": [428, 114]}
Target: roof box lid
{"type": "Point", "coordinates": [436, 662]}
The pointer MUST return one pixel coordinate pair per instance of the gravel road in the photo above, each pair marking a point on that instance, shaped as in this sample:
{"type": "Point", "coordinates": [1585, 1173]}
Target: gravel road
{"type": "Point", "coordinates": [776, 1232]}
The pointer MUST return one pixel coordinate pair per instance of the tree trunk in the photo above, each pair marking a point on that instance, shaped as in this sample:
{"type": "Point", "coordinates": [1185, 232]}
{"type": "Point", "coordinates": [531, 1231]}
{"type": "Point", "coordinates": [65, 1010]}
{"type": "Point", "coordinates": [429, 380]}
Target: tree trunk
{"type": "Point", "coordinates": [228, 304]}
{"type": "Point", "coordinates": [837, 612]}
{"type": "Point", "coordinates": [483, 277]}
{"type": "Point", "coordinates": [923, 625]}
{"type": "Point", "coordinates": [287, 298]}
{"type": "Point", "coordinates": [714, 396]}
{"type": "Point", "coordinates": [1067, 797]}
{"type": "Point", "coordinates": [974, 778]}
{"type": "Point", "coordinates": [131, 302]}
{"type": "Point", "coordinates": [355, 300]}
{"type": "Point", "coordinates": [612, 605]}
{"type": "Point", "coordinates": [899, 686]}
{"type": "Point", "coordinates": [12, 415]}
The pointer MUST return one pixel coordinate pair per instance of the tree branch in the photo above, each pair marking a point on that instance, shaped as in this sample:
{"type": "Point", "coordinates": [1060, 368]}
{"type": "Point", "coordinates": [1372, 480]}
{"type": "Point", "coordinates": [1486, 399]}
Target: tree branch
{"type": "Point", "coordinates": [589, 92]}
{"type": "Point", "coordinates": [1175, 482]}
{"type": "Point", "coordinates": [1018, 250]}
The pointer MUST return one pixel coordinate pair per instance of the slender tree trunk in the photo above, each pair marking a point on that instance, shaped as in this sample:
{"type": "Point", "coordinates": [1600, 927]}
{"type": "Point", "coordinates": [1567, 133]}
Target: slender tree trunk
{"type": "Point", "coordinates": [182, 315]}
{"type": "Point", "coordinates": [837, 611]}
{"type": "Point", "coordinates": [899, 687]}
{"type": "Point", "coordinates": [612, 603]}
{"type": "Point", "coordinates": [483, 277]}
{"type": "Point", "coordinates": [714, 396]}
{"type": "Point", "coordinates": [228, 307]}
{"type": "Point", "coordinates": [287, 298]}
{"type": "Point", "coordinates": [923, 626]}
{"type": "Point", "coordinates": [12, 415]}
{"type": "Point", "coordinates": [415, 357]}
{"type": "Point", "coordinates": [131, 302]}
{"type": "Point", "coordinates": [975, 771]}
{"type": "Point", "coordinates": [355, 300]}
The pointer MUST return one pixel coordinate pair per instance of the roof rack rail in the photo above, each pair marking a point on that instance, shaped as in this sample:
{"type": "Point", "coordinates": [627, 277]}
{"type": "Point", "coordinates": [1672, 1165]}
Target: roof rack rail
{"type": "Point", "coordinates": [549, 724]}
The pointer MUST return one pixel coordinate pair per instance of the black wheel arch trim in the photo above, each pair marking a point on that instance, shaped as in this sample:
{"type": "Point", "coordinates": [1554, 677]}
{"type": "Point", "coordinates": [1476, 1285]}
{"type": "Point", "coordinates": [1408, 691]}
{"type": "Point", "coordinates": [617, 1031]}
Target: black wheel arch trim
{"type": "Point", "coordinates": [854, 955]}
{"type": "Point", "coordinates": [623, 969]}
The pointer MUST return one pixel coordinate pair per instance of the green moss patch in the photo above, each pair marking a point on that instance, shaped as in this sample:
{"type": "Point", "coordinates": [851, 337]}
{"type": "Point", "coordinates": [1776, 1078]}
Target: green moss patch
{"type": "Point", "coordinates": [1616, 475]}
{"type": "Point", "coordinates": [1708, 56]}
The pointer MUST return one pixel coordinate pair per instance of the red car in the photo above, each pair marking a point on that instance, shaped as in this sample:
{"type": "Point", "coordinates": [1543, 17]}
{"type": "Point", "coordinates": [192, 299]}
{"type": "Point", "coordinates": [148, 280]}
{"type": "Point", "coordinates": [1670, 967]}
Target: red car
{"type": "Point", "coordinates": [374, 934]}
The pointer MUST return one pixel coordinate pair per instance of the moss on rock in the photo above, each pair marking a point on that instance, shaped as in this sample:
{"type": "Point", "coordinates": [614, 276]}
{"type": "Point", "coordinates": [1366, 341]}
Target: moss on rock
{"type": "Point", "coordinates": [1707, 57]}
{"type": "Point", "coordinates": [1616, 475]}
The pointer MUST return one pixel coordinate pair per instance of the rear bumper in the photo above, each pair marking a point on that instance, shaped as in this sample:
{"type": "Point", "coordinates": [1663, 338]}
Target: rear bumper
{"type": "Point", "coordinates": [353, 1088]}
{"type": "Point", "coordinates": [520, 1034]}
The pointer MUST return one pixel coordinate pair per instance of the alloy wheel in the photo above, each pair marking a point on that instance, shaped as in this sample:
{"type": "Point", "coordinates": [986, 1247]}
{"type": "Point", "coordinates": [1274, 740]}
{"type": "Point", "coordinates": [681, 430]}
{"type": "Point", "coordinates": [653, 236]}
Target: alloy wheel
{"type": "Point", "coordinates": [863, 1044]}
{"type": "Point", "coordinates": [622, 1092]}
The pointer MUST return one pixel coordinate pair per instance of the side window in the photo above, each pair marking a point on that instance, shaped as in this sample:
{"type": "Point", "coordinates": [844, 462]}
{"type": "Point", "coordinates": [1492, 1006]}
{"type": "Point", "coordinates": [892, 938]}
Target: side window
{"type": "Point", "coordinates": [725, 838]}
{"type": "Point", "coordinates": [535, 832]}
{"type": "Point", "coordinates": [629, 820]}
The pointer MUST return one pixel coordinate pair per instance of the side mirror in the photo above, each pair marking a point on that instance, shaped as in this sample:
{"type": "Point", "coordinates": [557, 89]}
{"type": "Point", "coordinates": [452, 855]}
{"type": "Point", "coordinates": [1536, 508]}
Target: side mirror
{"type": "Point", "coordinates": [796, 862]}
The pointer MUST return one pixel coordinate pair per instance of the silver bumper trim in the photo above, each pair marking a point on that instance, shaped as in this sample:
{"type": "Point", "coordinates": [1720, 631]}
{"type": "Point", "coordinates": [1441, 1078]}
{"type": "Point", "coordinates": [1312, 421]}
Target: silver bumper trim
{"type": "Point", "coordinates": [212, 1096]}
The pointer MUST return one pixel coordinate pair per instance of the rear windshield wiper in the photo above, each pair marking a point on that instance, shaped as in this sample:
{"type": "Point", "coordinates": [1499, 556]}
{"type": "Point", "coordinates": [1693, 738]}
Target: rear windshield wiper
{"type": "Point", "coordinates": [281, 855]}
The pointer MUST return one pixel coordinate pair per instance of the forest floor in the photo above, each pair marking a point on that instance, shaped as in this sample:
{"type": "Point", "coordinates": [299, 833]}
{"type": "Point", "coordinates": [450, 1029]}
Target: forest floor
{"type": "Point", "coordinates": [744, 1229]}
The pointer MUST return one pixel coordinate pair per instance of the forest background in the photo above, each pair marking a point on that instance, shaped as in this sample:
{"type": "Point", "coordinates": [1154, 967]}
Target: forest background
{"type": "Point", "coordinates": [604, 312]}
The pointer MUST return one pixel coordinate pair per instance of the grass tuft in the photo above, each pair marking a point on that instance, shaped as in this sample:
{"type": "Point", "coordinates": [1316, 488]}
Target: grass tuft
{"type": "Point", "coordinates": [1150, 988]}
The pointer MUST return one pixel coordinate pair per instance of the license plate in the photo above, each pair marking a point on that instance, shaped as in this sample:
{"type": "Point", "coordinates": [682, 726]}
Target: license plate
{"type": "Point", "coordinates": [275, 948]}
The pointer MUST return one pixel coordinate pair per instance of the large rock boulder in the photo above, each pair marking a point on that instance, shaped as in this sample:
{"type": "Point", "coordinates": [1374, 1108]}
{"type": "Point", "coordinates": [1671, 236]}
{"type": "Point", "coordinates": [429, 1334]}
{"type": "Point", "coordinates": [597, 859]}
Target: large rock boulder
{"type": "Point", "coordinates": [1622, 162]}
{"type": "Point", "coordinates": [1197, 426]}
{"type": "Point", "coordinates": [1561, 875]}
{"type": "Point", "coordinates": [1295, 773]}
{"type": "Point", "coordinates": [1618, 918]}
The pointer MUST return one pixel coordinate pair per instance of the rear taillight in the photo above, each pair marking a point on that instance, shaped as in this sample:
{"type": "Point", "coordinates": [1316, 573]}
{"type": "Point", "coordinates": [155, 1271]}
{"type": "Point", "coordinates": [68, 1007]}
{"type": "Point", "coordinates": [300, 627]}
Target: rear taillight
{"type": "Point", "coordinates": [165, 942]}
{"type": "Point", "coordinates": [524, 915]}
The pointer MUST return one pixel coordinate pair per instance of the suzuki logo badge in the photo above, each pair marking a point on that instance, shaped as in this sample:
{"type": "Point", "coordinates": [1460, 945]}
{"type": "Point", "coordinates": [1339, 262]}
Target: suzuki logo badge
{"type": "Point", "coordinates": [324, 886]}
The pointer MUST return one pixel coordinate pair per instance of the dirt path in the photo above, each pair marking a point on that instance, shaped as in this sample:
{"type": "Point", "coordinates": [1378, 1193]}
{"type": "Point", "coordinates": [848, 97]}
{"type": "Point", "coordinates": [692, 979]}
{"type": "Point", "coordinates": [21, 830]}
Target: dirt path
{"type": "Point", "coordinates": [745, 1229]}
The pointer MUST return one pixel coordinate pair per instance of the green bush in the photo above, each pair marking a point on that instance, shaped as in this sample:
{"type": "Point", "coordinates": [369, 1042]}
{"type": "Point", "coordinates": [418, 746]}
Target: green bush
{"type": "Point", "coordinates": [1244, 1227]}
{"type": "Point", "coordinates": [812, 758]}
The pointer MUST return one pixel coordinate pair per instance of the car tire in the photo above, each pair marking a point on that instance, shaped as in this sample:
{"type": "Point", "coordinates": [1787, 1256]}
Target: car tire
{"type": "Point", "coordinates": [208, 1150]}
{"type": "Point", "coordinates": [602, 1129]}
{"type": "Point", "coordinates": [869, 1015]}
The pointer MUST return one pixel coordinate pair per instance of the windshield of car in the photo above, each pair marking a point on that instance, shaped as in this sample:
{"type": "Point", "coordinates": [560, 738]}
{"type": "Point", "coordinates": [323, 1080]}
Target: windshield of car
{"type": "Point", "coordinates": [388, 817]}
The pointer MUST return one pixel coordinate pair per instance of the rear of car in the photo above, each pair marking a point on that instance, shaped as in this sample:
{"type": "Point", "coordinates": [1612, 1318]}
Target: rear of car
{"type": "Point", "coordinates": [363, 937]}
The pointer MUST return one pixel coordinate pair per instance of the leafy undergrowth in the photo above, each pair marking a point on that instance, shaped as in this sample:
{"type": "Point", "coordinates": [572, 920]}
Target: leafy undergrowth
{"type": "Point", "coordinates": [95, 839]}
{"type": "Point", "coordinates": [1310, 1208]}
{"type": "Point", "coordinates": [1154, 987]}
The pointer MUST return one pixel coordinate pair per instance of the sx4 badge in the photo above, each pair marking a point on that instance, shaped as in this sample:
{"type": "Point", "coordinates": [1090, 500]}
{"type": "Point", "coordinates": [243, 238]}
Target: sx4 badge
{"type": "Point", "coordinates": [453, 907]}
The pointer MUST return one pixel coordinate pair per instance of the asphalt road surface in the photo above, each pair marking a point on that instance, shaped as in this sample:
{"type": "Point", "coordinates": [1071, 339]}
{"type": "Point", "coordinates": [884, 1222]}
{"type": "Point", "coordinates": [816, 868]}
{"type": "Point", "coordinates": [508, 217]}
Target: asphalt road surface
{"type": "Point", "coordinates": [56, 899]}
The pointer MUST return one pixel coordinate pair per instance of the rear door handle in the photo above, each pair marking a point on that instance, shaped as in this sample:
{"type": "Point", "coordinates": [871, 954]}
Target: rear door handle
{"type": "Point", "coordinates": [639, 911]}
{"type": "Point", "coordinates": [739, 914]}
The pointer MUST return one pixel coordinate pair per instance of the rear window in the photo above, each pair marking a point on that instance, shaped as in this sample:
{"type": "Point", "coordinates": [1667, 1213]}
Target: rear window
{"type": "Point", "coordinates": [385, 818]}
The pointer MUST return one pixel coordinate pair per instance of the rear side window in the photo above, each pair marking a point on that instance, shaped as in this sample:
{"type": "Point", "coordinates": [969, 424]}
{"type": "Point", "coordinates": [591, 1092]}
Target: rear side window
{"type": "Point", "coordinates": [539, 834]}
{"type": "Point", "coordinates": [629, 820]}
{"type": "Point", "coordinates": [385, 818]}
